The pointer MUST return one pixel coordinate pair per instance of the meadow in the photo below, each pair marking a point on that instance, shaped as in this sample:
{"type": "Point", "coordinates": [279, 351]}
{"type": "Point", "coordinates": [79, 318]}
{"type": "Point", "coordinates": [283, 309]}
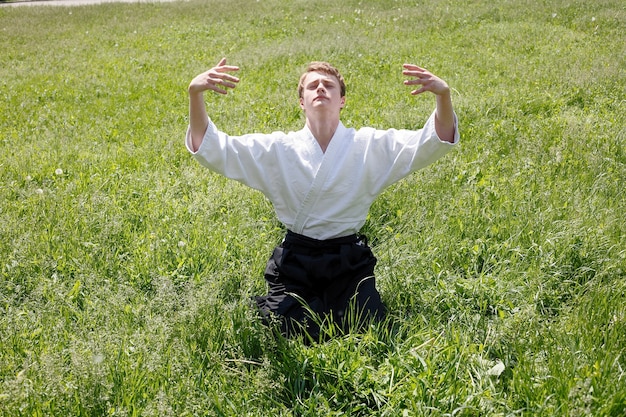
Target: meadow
{"type": "Point", "coordinates": [126, 268]}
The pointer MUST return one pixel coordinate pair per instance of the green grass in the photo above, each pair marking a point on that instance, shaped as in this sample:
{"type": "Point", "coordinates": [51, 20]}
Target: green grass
{"type": "Point", "coordinates": [126, 268]}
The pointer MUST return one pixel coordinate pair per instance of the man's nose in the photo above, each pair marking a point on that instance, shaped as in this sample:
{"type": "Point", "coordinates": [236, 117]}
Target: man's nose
{"type": "Point", "coordinates": [320, 87]}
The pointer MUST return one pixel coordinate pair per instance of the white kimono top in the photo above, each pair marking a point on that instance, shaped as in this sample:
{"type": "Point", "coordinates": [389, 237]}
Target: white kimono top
{"type": "Point", "coordinates": [318, 194]}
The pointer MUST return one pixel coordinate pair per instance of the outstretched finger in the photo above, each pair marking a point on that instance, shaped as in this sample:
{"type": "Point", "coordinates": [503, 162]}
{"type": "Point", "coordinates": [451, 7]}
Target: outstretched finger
{"type": "Point", "coordinates": [225, 79]}
{"type": "Point", "coordinates": [220, 74]}
{"type": "Point", "coordinates": [219, 86]}
{"type": "Point", "coordinates": [418, 91]}
{"type": "Point", "coordinates": [422, 81]}
{"type": "Point", "coordinates": [413, 70]}
{"type": "Point", "coordinates": [222, 67]}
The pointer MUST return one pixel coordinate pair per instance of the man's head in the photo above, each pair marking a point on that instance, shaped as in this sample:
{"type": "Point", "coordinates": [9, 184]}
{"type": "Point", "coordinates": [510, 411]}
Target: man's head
{"type": "Point", "coordinates": [322, 90]}
{"type": "Point", "coordinates": [324, 68]}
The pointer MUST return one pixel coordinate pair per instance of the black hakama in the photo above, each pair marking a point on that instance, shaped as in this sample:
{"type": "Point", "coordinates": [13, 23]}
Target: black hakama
{"type": "Point", "coordinates": [314, 281]}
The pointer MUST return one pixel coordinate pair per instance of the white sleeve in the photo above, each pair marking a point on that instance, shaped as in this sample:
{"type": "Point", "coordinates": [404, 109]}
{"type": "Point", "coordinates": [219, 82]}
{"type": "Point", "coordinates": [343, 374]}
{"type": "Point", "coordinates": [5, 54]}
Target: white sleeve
{"type": "Point", "coordinates": [400, 152]}
{"type": "Point", "coordinates": [240, 158]}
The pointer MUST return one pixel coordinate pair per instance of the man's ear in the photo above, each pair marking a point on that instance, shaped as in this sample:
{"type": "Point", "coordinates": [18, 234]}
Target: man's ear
{"type": "Point", "coordinates": [343, 101]}
{"type": "Point", "coordinates": [301, 103]}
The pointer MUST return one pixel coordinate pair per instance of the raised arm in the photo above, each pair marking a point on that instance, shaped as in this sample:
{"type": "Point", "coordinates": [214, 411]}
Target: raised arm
{"type": "Point", "coordinates": [217, 79]}
{"type": "Point", "coordinates": [444, 114]}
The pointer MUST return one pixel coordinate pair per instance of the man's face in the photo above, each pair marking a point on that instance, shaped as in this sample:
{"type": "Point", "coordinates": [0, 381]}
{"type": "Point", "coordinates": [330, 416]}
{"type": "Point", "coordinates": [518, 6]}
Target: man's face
{"type": "Point", "coordinates": [321, 91]}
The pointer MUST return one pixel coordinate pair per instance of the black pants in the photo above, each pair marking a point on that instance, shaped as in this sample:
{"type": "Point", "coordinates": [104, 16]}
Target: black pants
{"type": "Point", "coordinates": [311, 281]}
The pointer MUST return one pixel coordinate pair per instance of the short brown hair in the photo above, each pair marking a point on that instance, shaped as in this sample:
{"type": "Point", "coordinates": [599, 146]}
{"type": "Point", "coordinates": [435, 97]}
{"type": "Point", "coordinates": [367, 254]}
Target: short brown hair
{"type": "Point", "coordinates": [325, 68]}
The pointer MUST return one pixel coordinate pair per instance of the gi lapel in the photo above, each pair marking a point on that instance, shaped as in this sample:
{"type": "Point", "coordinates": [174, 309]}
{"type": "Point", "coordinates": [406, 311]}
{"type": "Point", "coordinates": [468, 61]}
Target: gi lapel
{"type": "Point", "coordinates": [329, 161]}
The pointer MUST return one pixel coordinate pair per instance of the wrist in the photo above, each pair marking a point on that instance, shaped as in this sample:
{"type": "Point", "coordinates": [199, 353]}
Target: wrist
{"type": "Point", "coordinates": [444, 94]}
{"type": "Point", "coordinates": [195, 90]}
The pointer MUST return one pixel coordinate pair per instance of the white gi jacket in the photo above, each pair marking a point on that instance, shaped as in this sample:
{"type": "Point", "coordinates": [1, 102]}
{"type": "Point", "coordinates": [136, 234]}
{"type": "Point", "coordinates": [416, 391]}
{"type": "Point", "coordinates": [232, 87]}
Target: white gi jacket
{"type": "Point", "coordinates": [316, 194]}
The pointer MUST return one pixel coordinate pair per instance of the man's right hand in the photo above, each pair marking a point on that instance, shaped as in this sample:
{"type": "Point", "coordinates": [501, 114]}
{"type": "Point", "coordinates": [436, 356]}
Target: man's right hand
{"type": "Point", "coordinates": [217, 79]}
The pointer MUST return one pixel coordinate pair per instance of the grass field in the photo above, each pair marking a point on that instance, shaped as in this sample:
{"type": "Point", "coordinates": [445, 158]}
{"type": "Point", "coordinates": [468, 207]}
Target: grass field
{"type": "Point", "coordinates": [126, 268]}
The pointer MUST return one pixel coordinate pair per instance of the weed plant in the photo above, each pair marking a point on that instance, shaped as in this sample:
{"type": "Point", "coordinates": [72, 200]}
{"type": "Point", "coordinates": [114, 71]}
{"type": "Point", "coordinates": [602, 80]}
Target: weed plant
{"type": "Point", "coordinates": [126, 268]}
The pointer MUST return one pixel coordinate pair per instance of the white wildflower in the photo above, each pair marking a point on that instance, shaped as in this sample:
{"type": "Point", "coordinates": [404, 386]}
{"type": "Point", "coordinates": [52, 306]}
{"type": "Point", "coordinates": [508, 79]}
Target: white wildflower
{"type": "Point", "coordinates": [497, 369]}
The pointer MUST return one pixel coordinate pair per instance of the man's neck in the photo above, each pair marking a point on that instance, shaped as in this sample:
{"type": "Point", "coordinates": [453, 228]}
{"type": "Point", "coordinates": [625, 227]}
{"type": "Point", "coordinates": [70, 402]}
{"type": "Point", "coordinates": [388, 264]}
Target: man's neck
{"type": "Point", "coordinates": [323, 130]}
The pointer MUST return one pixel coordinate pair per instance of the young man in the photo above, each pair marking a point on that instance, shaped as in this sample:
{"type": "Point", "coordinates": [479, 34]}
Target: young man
{"type": "Point", "coordinates": [322, 181]}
